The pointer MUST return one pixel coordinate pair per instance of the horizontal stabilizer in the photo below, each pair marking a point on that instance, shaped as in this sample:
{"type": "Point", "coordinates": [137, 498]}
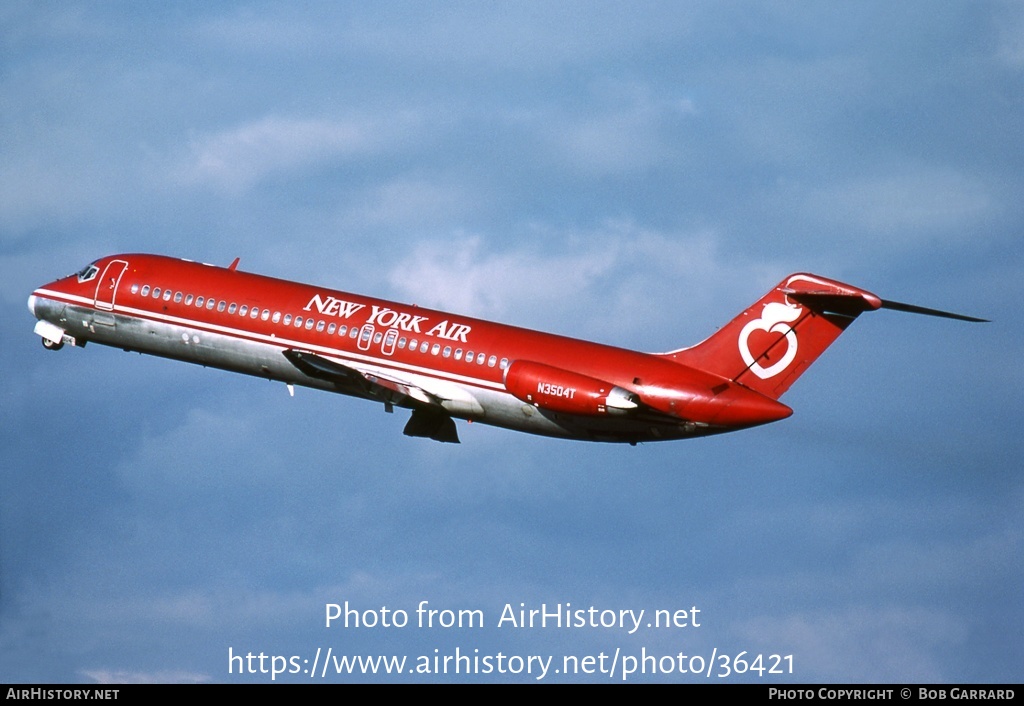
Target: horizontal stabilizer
{"type": "Point", "coordinates": [770, 344]}
{"type": "Point", "coordinates": [914, 309]}
{"type": "Point", "coordinates": [851, 302]}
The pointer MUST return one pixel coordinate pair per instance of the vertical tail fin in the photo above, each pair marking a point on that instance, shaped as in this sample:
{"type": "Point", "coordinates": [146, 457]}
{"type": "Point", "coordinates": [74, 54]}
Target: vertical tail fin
{"type": "Point", "coordinates": [768, 346]}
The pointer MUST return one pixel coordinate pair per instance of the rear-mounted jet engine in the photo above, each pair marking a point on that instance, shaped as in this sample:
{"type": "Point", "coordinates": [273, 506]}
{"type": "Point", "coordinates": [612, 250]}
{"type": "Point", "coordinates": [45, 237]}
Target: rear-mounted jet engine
{"type": "Point", "coordinates": [559, 390]}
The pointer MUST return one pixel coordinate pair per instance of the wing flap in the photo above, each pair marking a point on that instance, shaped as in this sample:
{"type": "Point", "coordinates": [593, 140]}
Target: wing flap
{"type": "Point", "coordinates": [389, 390]}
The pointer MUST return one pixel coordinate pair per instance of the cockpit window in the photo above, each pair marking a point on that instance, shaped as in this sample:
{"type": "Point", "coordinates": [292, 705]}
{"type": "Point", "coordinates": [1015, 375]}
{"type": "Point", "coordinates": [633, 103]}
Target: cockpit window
{"type": "Point", "coordinates": [88, 272]}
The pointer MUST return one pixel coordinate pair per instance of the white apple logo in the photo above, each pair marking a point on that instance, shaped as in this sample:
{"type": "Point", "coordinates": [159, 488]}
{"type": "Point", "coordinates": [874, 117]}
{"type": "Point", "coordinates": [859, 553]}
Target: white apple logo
{"type": "Point", "coordinates": [775, 318]}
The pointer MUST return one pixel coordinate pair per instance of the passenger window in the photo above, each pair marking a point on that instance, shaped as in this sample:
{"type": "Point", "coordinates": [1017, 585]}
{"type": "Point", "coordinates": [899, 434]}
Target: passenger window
{"type": "Point", "coordinates": [330, 328]}
{"type": "Point", "coordinates": [178, 297]}
{"type": "Point", "coordinates": [232, 308]}
{"type": "Point", "coordinates": [210, 303]}
{"type": "Point", "coordinates": [265, 315]}
{"type": "Point", "coordinates": [145, 290]}
{"type": "Point", "coordinates": [221, 305]}
{"type": "Point", "coordinates": [276, 317]}
{"type": "Point", "coordinates": [492, 361]}
{"type": "Point", "coordinates": [504, 363]}
{"type": "Point", "coordinates": [254, 312]}
{"type": "Point", "coordinates": [424, 346]}
{"type": "Point", "coordinates": [435, 349]}
{"type": "Point", "coordinates": [188, 300]}
{"type": "Point", "coordinates": [458, 354]}
{"type": "Point", "coordinates": [167, 295]}
{"type": "Point", "coordinates": [447, 352]}
{"type": "Point", "coordinates": [199, 302]}
{"type": "Point", "coordinates": [343, 330]}
{"type": "Point", "coordinates": [469, 356]}
{"type": "Point", "coordinates": [401, 342]}
{"type": "Point", "coordinates": [135, 289]}
{"type": "Point", "coordinates": [156, 292]}
{"type": "Point", "coordinates": [480, 358]}
{"type": "Point", "coordinates": [320, 326]}
{"type": "Point", "coordinates": [287, 319]}
{"type": "Point", "coordinates": [243, 310]}
{"type": "Point", "coordinates": [309, 324]}
{"type": "Point", "coordinates": [298, 322]}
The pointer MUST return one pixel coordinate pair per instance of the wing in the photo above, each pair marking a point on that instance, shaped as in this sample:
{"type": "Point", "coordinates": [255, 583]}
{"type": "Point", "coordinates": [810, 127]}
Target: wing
{"type": "Point", "coordinates": [388, 389]}
{"type": "Point", "coordinates": [430, 417]}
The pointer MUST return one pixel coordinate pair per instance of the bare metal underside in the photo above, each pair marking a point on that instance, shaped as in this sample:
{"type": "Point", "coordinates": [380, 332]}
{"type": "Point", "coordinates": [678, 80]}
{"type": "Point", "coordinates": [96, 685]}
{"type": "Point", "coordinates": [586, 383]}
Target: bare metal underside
{"type": "Point", "coordinates": [288, 362]}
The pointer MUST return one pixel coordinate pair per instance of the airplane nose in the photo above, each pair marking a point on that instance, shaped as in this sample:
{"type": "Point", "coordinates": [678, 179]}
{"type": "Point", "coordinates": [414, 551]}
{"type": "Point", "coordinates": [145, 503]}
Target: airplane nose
{"type": "Point", "coordinates": [32, 304]}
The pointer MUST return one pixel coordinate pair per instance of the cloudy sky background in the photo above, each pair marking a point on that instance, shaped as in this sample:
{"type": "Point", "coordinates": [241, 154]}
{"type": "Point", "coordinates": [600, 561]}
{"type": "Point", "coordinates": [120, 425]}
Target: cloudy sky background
{"type": "Point", "coordinates": [630, 173]}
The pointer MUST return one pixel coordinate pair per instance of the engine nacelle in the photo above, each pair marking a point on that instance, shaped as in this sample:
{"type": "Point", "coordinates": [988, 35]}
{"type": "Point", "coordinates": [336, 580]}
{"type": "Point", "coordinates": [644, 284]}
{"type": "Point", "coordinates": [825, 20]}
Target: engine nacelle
{"type": "Point", "coordinates": [564, 391]}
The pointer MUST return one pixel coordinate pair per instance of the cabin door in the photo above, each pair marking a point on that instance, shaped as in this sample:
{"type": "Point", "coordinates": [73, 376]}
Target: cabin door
{"type": "Point", "coordinates": [106, 288]}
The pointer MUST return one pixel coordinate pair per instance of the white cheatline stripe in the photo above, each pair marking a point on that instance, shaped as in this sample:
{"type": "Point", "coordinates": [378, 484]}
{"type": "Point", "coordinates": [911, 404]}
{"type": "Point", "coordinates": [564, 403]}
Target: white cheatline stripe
{"type": "Point", "coordinates": [282, 343]}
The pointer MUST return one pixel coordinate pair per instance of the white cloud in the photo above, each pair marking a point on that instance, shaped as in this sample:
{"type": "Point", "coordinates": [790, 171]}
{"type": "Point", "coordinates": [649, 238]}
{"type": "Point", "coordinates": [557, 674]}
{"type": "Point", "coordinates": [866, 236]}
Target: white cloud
{"type": "Point", "coordinates": [617, 142]}
{"type": "Point", "coordinates": [462, 277]}
{"type": "Point", "coordinates": [1010, 43]}
{"type": "Point", "coordinates": [524, 37]}
{"type": "Point", "coordinates": [409, 202]}
{"type": "Point", "coordinates": [906, 203]}
{"type": "Point", "coordinates": [633, 132]}
{"type": "Point", "coordinates": [115, 676]}
{"type": "Point", "coordinates": [237, 158]}
{"type": "Point", "coordinates": [618, 282]}
{"type": "Point", "coordinates": [849, 221]}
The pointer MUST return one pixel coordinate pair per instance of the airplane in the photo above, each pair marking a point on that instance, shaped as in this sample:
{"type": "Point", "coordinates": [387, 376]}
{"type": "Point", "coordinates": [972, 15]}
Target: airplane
{"type": "Point", "coordinates": [444, 366]}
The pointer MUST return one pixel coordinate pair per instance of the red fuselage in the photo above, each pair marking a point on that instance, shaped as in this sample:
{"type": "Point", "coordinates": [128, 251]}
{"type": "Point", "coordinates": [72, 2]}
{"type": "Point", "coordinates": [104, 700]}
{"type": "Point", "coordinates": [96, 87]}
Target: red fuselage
{"type": "Point", "coordinates": [439, 365]}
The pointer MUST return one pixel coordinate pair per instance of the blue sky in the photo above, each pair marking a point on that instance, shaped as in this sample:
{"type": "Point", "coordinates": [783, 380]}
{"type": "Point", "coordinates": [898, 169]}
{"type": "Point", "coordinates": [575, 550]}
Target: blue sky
{"type": "Point", "coordinates": [634, 174]}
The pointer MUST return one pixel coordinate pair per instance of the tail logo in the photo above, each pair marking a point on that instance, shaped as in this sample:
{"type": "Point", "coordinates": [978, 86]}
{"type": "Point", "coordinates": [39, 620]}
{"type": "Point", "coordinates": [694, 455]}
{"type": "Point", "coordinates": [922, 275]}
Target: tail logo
{"type": "Point", "coordinates": [775, 318]}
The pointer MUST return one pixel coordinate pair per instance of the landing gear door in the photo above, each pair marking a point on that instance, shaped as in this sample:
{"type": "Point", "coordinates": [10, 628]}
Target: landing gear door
{"type": "Point", "coordinates": [106, 288]}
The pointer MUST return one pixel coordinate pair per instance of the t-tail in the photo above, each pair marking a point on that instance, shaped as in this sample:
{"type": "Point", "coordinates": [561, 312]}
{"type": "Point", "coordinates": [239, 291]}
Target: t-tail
{"type": "Point", "coordinates": [768, 346]}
